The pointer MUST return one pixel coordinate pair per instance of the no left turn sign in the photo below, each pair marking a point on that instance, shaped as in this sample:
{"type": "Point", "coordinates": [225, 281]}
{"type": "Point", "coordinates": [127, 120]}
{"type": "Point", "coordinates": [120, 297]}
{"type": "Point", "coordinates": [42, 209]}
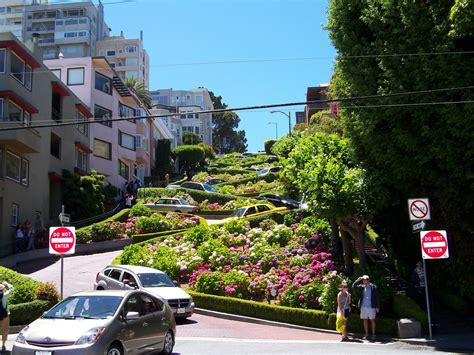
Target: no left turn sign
{"type": "Point", "coordinates": [419, 209]}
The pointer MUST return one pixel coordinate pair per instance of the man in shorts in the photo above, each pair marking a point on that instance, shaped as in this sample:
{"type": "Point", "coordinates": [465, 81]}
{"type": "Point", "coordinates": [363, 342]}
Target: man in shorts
{"type": "Point", "coordinates": [369, 303]}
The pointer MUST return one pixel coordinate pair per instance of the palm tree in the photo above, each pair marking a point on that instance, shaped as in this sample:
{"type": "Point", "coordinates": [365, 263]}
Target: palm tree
{"type": "Point", "coordinates": [140, 90]}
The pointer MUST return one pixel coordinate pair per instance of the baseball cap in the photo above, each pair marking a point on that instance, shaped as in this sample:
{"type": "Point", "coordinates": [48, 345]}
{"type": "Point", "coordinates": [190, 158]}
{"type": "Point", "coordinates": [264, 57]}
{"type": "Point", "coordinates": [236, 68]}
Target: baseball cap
{"type": "Point", "coordinates": [365, 277]}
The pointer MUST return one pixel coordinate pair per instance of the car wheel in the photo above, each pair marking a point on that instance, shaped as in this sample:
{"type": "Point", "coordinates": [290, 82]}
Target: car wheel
{"type": "Point", "coordinates": [168, 344]}
{"type": "Point", "coordinates": [115, 349]}
{"type": "Point", "coordinates": [100, 288]}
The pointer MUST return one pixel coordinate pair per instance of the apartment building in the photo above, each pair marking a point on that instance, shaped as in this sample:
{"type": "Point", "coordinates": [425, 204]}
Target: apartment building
{"type": "Point", "coordinates": [32, 158]}
{"type": "Point", "coordinates": [121, 149]}
{"type": "Point", "coordinates": [186, 102]}
{"type": "Point", "coordinates": [127, 56]}
{"type": "Point", "coordinates": [11, 16]}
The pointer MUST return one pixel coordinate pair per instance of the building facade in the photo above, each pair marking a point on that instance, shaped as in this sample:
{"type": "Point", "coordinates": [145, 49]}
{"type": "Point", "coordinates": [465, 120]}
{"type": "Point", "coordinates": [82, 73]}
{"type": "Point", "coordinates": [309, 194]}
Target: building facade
{"type": "Point", "coordinates": [11, 16]}
{"type": "Point", "coordinates": [32, 158]}
{"type": "Point", "coordinates": [186, 103]}
{"type": "Point", "coordinates": [127, 56]}
{"type": "Point", "coordinates": [316, 93]}
{"type": "Point", "coordinates": [121, 149]}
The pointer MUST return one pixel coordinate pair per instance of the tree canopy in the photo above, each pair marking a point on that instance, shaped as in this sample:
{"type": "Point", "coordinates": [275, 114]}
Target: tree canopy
{"type": "Point", "coordinates": [189, 157]}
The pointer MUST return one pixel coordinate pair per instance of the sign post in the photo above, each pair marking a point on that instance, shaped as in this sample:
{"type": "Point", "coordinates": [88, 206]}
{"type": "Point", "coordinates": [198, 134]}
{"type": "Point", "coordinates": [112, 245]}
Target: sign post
{"type": "Point", "coordinates": [62, 240]}
{"type": "Point", "coordinates": [434, 245]}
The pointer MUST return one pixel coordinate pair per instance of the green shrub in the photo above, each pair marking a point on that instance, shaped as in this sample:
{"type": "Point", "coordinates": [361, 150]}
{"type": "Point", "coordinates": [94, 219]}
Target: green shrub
{"type": "Point", "coordinates": [207, 248]}
{"type": "Point", "coordinates": [303, 297]}
{"type": "Point", "coordinates": [25, 313]}
{"type": "Point", "coordinates": [136, 255]}
{"type": "Point", "coordinates": [138, 210]}
{"type": "Point", "coordinates": [278, 217]}
{"type": "Point", "coordinates": [47, 292]}
{"type": "Point", "coordinates": [120, 216]}
{"type": "Point", "coordinates": [166, 260]}
{"type": "Point", "coordinates": [83, 235]}
{"type": "Point", "coordinates": [17, 279]}
{"type": "Point", "coordinates": [197, 235]}
{"type": "Point", "coordinates": [268, 144]}
{"type": "Point", "coordinates": [101, 231]}
{"type": "Point", "coordinates": [239, 226]}
{"type": "Point", "coordinates": [154, 223]}
{"type": "Point", "coordinates": [140, 238]}
{"type": "Point", "coordinates": [236, 284]}
{"type": "Point", "coordinates": [210, 283]}
{"type": "Point", "coordinates": [22, 294]}
{"type": "Point", "coordinates": [329, 295]}
{"type": "Point", "coordinates": [405, 307]}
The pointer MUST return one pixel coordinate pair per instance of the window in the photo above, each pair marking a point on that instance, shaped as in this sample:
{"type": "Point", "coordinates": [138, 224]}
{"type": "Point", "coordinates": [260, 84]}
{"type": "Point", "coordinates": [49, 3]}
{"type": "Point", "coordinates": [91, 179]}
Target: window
{"type": "Point", "coordinates": [82, 33]}
{"type": "Point", "coordinates": [15, 214]}
{"type": "Point", "coordinates": [1, 111]}
{"type": "Point", "coordinates": [131, 61]}
{"type": "Point", "coordinates": [103, 83]}
{"type": "Point", "coordinates": [196, 130]}
{"type": "Point", "coordinates": [25, 170]}
{"type": "Point", "coordinates": [131, 49]}
{"type": "Point", "coordinates": [124, 170]}
{"type": "Point", "coordinates": [15, 113]}
{"type": "Point", "coordinates": [115, 274]}
{"type": "Point", "coordinates": [17, 68]}
{"type": "Point", "coordinates": [110, 53]}
{"type": "Point", "coordinates": [49, 53]}
{"type": "Point", "coordinates": [55, 148]}
{"type": "Point", "coordinates": [56, 72]}
{"type": "Point", "coordinates": [70, 34]}
{"type": "Point", "coordinates": [101, 113]}
{"type": "Point", "coordinates": [2, 60]}
{"type": "Point", "coordinates": [80, 160]}
{"type": "Point", "coordinates": [59, 23]}
{"type": "Point", "coordinates": [28, 76]}
{"type": "Point", "coordinates": [81, 127]}
{"type": "Point", "coordinates": [138, 141]}
{"type": "Point", "coordinates": [126, 111]}
{"type": "Point", "coordinates": [75, 76]}
{"type": "Point", "coordinates": [126, 140]}
{"type": "Point", "coordinates": [13, 166]}
{"type": "Point", "coordinates": [82, 20]}
{"type": "Point", "coordinates": [199, 98]}
{"type": "Point", "coordinates": [102, 149]}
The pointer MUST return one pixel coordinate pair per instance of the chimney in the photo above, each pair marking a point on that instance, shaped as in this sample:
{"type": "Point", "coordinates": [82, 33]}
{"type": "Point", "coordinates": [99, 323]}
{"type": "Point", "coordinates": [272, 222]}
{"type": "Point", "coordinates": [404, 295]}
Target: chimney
{"type": "Point", "coordinates": [141, 35]}
{"type": "Point", "coordinates": [121, 33]}
{"type": "Point", "coordinates": [34, 37]}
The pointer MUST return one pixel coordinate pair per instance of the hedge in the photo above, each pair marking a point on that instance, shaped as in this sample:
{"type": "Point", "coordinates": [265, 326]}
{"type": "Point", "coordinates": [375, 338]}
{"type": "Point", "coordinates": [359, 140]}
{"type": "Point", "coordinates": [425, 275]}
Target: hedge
{"type": "Point", "coordinates": [268, 178]}
{"type": "Point", "coordinates": [120, 216]}
{"type": "Point", "coordinates": [25, 313]}
{"type": "Point", "coordinates": [298, 316]}
{"type": "Point", "coordinates": [405, 307]}
{"type": "Point", "coordinates": [275, 216]}
{"type": "Point", "coordinates": [197, 195]}
{"type": "Point", "coordinates": [140, 238]}
{"type": "Point", "coordinates": [215, 213]}
{"type": "Point", "coordinates": [232, 171]}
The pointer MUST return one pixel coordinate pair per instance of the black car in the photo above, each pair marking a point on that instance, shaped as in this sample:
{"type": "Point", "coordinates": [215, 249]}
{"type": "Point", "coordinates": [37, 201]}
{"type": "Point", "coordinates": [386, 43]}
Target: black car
{"type": "Point", "coordinates": [280, 200]}
{"type": "Point", "coordinates": [215, 181]}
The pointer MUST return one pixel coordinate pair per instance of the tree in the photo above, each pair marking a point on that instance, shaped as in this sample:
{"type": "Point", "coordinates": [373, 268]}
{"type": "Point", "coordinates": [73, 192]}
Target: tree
{"type": "Point", "coordinates": [190, 138]}
{"type": "Point", "coordinates": [268, 144]}
{"type": "Point", "coordinates": [140, 90]}
{"type": "Point", "coordinates": [225, 136]}
{"type": "Point", "coordinates": [425, 150]}
{"type": "Point", "coordinates": [163, 160]}
{"type": "Point", "coordinates": [336, 188]}
{"type": "Point", "coordinates": [189, 157]}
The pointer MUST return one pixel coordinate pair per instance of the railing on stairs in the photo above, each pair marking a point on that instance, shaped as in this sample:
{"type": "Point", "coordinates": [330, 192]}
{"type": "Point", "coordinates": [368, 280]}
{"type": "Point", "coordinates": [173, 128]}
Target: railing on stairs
{"type": "Point", "coordinates": [90, 220]}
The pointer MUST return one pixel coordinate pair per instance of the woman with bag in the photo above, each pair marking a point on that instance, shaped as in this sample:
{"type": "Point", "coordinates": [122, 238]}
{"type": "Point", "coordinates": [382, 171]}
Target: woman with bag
{"type": "Point", "coordinates": [343, 307]}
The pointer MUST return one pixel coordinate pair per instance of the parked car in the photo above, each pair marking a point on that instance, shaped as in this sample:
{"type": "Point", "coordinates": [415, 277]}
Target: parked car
{"type": "Point", "coordinates": [131, 277]}
{"type": "Point", "coordinates": [106, 322]}
{"type": "Point", "coordinates": [174, 204]}
{"type": "Point", "coordinates": [265, 171]}
{"type": "Point", "coordinates": [271, 159]}
{"type": "Point", "coordinates": [254, 210]}
{"type": "Point", "coordinates": [172, 186]}
{"type": "Point", "coordinates": [199, 186]}
{"type": "Point", "coordinates": [215, 181]}
{"type": "Point", "coordinates": [253, 168]}
{"type": "Point", "coordinates": [280, 201]}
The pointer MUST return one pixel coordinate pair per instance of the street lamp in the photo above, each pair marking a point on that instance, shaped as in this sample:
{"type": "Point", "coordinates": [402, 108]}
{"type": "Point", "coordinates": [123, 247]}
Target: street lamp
{"type": "Point", "coordinates": [276, 129]}
{"type": "Point", "coordinates": [289, 119]}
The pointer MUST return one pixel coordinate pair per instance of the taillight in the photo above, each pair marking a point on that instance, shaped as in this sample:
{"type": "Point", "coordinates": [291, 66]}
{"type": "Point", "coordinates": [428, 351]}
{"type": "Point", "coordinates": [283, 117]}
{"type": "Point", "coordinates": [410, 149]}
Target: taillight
{"type": "Point", "coordinates": [97, 277]}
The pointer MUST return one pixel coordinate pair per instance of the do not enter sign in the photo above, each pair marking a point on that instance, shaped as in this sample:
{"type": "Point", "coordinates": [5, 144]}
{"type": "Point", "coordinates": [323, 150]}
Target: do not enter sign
{"type": "Point", "coordinates": [62, 240]}
{"type": "Point", "coordinates": [434, 245]}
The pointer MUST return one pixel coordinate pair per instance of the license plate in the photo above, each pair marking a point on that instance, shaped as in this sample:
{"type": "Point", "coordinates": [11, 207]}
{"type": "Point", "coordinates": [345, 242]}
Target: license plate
{"type": "Point", "coordinates": [43, 353]}
{"type": "Point", "coordinates": [181, 311]}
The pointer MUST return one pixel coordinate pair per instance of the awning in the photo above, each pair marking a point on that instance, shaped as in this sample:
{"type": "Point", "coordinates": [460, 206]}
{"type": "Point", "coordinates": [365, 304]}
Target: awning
{"type": "Point", "coordinates": [59, 89]}
{"type": "Point", "coordinates": [83, 109]}
{"type": "Point", "coordinates": [10, 95]}
{"type": "Point", "coordinates": [83, 147]}
{"type": "Point", "coordinates": [55, 177]}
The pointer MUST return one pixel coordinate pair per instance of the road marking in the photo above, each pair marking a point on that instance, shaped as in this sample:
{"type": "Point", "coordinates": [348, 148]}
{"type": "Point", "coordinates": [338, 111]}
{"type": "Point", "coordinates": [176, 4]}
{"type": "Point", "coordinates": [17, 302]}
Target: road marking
{"type": "Point", "coordinates": [270, 341]}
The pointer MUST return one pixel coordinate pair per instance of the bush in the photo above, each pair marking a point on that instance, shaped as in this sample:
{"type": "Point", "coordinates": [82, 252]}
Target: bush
{"type": "Point", "coordinates": [136, 255]}
{"type": "Point", "coordinates": [236, 284]}
{"type": "Point", "coordinates": [165, 259]}
{"type": "Point", "coordinates": [303, 297]}
{"type": "Point", "coordinates": [101, 231]}
{"type": "Point", "coordinates": [17, 279]}
{"type": "Point", "coordinates": [268, 145]}
{"type": "Point", "coordinates": [155, 223]}
{"type": "Point", "coordinates": [278, 217]}
{"type": "Point", "coordinates": [139, 210]}
{"type": "Point", "coordinates": [197, 235]}
{"type": "Point", "coordinates": [210, 283]}
{"type": "Point", "coordinates": [22, 294]}
{"type": "Point", "coordinates": [329, 295]}
{"type": "Point", "coordinates": [405, 307]}
{"type": "Point", "coordinates": [25, 313]}
{"type": "Point", "coordinates": [47, 292]}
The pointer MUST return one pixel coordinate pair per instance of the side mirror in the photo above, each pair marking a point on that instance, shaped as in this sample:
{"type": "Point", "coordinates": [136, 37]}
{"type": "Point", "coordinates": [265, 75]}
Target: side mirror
{"type": "Point", "coordinates": [176, 283]}
{"type": "Point", "coordinates": [132, 316]}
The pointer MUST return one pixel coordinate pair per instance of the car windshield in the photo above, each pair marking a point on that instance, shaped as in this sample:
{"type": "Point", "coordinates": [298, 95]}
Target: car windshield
{"type": "Point", "coordinates": [238, 213]}
{"type": "Point", "coordinates": [183, 201]}
{"type": "Point", "coordinates": [262, 172]}
{"type": "Point", "coordinates": [155, 280]}
{"type": "Point", "coordinates": [89, 307]}
{"type": "Point", "coordinates": [210, 188]}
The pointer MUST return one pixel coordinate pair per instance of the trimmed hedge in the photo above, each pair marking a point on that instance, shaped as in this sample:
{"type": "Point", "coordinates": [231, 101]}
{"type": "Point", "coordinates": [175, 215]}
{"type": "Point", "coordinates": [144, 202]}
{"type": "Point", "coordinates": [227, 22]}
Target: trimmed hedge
{"type": "Point", "coordinates": [83, 233]}
{"type": "Point", "coordinates": [268, 178]}
{"type": "Point", "coordinates": [278, 217]}
{"type": "Point", "coordinates": [25, 313]}
{"type": "Point", "coordinates": [232, 171]}
{"type": "Point", "coordinates": [140, 238]}
{"type": "Point", "coordinates": [405, 307]}
{"type": "Point", "coordinates": [298, 316]}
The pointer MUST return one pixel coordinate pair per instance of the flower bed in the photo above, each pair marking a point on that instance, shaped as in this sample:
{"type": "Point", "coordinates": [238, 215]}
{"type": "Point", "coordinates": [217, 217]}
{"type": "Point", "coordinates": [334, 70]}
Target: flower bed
{"type": "Point", "coordinates": [287, 265]}
{"type": "Point", "coordinates": [204, 176]}
{"type": "Point", "coordinates": [252, 188]}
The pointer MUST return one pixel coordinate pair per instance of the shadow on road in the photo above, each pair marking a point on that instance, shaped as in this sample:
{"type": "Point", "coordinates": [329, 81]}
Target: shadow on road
{"type": "Point", "coordinates": [186, 321]}
{"type": "Point", "coordinates": [33, 266]}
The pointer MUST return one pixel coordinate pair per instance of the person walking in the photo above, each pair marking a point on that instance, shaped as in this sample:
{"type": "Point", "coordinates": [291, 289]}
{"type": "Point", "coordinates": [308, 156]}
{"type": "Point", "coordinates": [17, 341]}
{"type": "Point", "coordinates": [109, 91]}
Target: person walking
{"type": "Point", "coordinates": [28, 234]}
{"type": "Point", "coordinates": [418, 279]}
{"type": "Point", "coordinates": [5, 291]}
{"type": "Point", "coordinates": [343, 307]}
{"type": "Point", "coordinates": [369, 303]}
{"type": "Point", "coordinates": [19, 238]}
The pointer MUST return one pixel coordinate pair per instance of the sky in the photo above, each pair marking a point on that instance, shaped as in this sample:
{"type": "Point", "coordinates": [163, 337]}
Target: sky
{"type": "Point", "coordinates": [250, 52]}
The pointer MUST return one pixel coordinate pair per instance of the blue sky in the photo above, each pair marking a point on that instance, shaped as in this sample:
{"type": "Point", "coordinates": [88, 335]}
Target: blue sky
{"type": "Point", "coordinates": [256, 34]}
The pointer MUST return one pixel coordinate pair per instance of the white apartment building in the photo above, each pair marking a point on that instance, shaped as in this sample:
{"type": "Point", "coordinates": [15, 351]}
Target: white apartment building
{"type": "Point", "coordinates": [11, 16]}
{"type": "Point", "coordinates": [127, 56]}
{"type": "Point", "coordinates": [121, 149]}
{"type": "Point", "coordinates": [186, 102]}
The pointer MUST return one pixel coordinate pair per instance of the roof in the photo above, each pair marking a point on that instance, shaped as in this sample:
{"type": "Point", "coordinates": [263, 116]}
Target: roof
{"type": "Point", "coordinates": [137, 269]}
{"type": "Point", "coordinates": [109, 293]}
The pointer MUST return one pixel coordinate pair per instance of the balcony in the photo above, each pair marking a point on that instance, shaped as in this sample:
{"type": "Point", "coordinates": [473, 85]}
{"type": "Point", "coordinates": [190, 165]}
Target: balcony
{"type": "Point", "coordinates": [25, 140]}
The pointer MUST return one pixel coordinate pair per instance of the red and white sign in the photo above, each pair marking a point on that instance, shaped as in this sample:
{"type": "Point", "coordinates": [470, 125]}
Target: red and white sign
{"type": "Point", "coordinates": [434, 245]}
{"type": "Point", "coordinates": [62, 240]}
{"type": "Point", "coordinates": [419, 209]}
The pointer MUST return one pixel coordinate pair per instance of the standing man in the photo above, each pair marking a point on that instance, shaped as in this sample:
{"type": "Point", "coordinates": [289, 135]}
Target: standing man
{"type": "Point", "coordinates": [369, 303]}
{"type": "Point", "coordinates": [5, 290]}
{"type": "Point", "coordinates": [418, 279]}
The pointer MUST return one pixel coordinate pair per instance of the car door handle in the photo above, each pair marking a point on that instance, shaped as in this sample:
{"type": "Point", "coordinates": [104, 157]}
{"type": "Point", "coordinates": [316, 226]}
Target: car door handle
{"type": "Point", "coordinates": [145, 324]}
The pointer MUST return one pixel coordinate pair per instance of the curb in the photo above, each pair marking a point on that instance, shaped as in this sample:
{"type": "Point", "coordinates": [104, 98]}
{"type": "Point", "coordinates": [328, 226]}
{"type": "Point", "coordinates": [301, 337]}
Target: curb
{"type": "Point", "coordinates": [236, 317]}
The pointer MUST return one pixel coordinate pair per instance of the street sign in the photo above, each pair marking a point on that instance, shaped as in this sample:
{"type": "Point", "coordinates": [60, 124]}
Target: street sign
{"type": "Point", "coordinates": [419, 209]}
{"type": "Point", "coordinates": [64, 218]}
{"type": "Point", "coordinates": [418, 226]}
{"type": "Point", "coordinates": [434, 245]}
{"type": "Point", "coordinates": [62, 240]}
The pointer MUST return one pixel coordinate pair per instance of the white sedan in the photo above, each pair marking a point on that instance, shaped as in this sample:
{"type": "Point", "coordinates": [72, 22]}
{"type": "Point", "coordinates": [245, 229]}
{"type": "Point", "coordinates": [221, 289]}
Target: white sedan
{"type": "Point", "coordinates": [173, 204]}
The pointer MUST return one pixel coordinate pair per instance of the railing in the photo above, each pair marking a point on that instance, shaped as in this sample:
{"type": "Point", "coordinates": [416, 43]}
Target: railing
{"type": "Point", "coordinates": [87, 221]}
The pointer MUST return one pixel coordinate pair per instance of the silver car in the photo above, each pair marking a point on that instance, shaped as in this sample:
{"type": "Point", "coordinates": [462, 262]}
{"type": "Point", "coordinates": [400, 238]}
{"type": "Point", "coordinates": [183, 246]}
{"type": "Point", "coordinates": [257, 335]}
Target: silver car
{"type": "Point", "coordinates": [173, 204]}
{"type": "Point", "coordinates": [105, 322]}
{"type": "Point", "coordinates": [129, 277]}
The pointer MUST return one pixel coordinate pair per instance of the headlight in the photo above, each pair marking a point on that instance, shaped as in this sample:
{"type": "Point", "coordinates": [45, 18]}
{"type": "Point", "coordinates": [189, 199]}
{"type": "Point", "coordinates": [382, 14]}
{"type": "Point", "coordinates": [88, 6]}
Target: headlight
{"type": "Point", "coordinates": [91, 336]}
{"type": "Point", "coordinates": [21, 336]}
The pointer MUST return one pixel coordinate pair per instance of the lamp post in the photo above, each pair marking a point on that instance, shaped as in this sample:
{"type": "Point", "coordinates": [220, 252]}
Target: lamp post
{"type": "Point", "coordinates": [289, 119]}
{"type": "Point", "coordinates": [276, 129]}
